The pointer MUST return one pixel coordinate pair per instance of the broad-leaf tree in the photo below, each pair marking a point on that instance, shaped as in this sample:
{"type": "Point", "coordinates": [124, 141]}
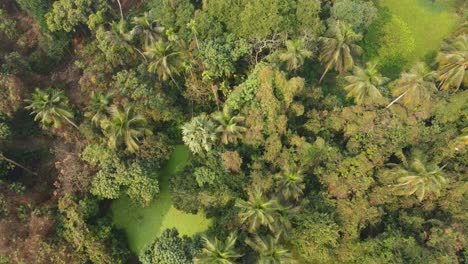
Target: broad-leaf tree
{"type": "Point", "coordinates": [229, 127]}
{"type": "Point", "coordinates": [364, 83]}
{"type": "Point", "coordinates": [269, 250]}
{"type": "Point", "coordinates": [453, 63]}
{"type": "Point", "coordinates": [295, 54]}
{"type": "Point", "coordinates": [338, 48]}
{"type": "Point", "coordinates": [219, 252]}
{"type": "Point", "coordinates": [414, 87]}
{"type": "Point", "coordinates": [124, 126]}
{"type": "Point", "coordinates": [51, 107]}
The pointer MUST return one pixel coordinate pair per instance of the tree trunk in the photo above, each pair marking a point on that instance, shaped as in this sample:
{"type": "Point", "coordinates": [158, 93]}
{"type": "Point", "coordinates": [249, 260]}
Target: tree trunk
{"type": "Point", "coordinates": [17, 164]}
{"type": "Point", "coordinates": [173, 80]}
{"type": "Point", "coordinates": [398, 98]}
{"type": "Point", "coordinates": [71, 122]}
{"type": "Point", "coordinates": [141, 53]}
{"type": "Point", "coordinates": [120, 7]}
{"type": "Point", "coordinates": [214, 90]}
{"type": "Point", "coordinates": [325, 72]}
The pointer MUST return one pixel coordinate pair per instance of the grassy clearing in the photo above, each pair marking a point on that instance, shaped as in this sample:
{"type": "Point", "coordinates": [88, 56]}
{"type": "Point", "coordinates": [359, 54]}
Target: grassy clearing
{"type": "Point", "coordinates": [429, 22]}
{"type": "Point", "coordinates": [407, 31]}
{"type": "Point", "coordinates": [142, 225]}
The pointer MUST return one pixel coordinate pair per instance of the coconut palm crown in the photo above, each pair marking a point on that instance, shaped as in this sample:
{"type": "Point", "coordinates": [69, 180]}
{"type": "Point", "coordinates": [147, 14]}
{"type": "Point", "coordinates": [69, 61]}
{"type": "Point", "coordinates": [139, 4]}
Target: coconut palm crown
{"type": "Point", "coordinates": [229, 127]}
{"type": "Point", "coordinates": [417, 176]}
{"type": "Point", "coordinates": [124, 127]}
{"type": "Point", "coordinates": [453, 63]}
{"type": "Point", "coordinates": [364, 83]}
{"type": "Point", "coordinates": [338, 48]}
{"type": "Point", "coordinates": [50, 107]}
{"type": "Point", "coordinates": [219, 252]}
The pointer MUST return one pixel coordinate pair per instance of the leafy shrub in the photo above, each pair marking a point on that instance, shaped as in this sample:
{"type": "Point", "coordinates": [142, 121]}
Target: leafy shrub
{"type": "Point", "coordinates": [37, 9]}
{"type": "Point", "coordinates": [7, 25]}
{"type": "Point", "coordinates": [221, 54]}
{"type": "Point", "coordinates": [169, 248]}
{"type": "Point", "coordinates": [357, 13]}
{"type": "Point", "coordinates": [114, 175]}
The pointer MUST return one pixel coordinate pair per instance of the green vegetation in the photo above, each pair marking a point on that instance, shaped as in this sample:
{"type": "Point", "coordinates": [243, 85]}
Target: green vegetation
{"type": "Point", "coordinates": [400, 35]}
{"type": "Point", "coordinates": [144, 224]}
{"type": "Point", "coordinates": [233, 131]}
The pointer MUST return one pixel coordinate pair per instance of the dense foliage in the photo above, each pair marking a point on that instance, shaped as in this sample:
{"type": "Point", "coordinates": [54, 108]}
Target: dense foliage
{"type": "Point", "coordinates": [316, 135]}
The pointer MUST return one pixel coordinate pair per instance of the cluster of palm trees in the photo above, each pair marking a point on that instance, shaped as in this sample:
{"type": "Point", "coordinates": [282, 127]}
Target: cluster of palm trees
{"type": "Point", "coordinates": [338, 50]}
{"type": "Point", "coordinates": [120, 124]}
{"type": "Point", "coordinates": [201, 132]}
{"type": "Point", "coordinates": [161, 54]}
{"type": "Point", "coordinates": [267, 221]}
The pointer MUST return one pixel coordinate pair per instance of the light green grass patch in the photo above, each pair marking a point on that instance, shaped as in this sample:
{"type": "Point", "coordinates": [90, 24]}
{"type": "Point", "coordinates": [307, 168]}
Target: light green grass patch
{"type": "Point", "coordinates": [407, 31]}
{"type": "Point", "coordinates": [143, 225]}
{"type": "Point", "coordinates": [429, 22]}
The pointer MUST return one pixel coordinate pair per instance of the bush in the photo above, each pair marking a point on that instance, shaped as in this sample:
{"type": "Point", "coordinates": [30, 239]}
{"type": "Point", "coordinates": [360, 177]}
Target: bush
{"type": "Point", "coordinates": [169, 248]}
{"type": "Point", "coordinates": [357, 13]}
{"type": "Point", "coordinates": [36, 9]}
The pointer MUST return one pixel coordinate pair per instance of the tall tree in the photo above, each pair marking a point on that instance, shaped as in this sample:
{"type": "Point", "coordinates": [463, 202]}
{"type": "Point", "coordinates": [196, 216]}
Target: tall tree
{"type": "Point", "coordinates": [414, 87]}
{"type": "Point", "coordinates": [258, 211]}
{"type": "Point", "coordinates": [364, 84]}
{"type": "Point", "coordinates": [199, 134]}
{"type": "Point", "coordinates": [51, 107]}
{"type": "Point", "coordinates": [124, 127]}
{"type": "Point", "coordinates": [290, 183]}
{"type": "Point", "coordinates": [164, 60]}
{"type": "Point", "coordinates": [146, 26]}
{"type": "Point", "coordinates": [338, 48]}
{"type": "Point", "coordinates": [219, 252]}
{"type": "Point", "coordinates": [98, 106]}
{"type": "Point", "coordinates": [269, 250]}
{"type": "Point", "coordinates": [229, 125]}
{"type": "Point", "coordinates": [295, 54]}
{"type": "Point", "coordinates": [417, 176]}
{"type": "Point", "coordinates": [453, 63]}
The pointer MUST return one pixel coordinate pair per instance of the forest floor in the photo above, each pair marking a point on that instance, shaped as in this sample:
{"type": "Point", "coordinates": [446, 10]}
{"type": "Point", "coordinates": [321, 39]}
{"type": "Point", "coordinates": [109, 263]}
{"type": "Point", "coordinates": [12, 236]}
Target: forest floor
{"type": "Point", "coordinates": [144, 224]}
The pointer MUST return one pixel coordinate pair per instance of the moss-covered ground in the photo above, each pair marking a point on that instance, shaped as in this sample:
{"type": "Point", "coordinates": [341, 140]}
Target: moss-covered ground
{"type": "Point", "coordinates": [143, 224]}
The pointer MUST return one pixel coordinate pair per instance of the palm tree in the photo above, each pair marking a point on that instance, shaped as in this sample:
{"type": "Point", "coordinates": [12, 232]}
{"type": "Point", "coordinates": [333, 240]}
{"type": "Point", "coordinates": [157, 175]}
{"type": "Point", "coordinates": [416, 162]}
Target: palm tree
{"type": "Point", "coordinates": [146, 25]}
{"type": "Point", "coordinates": [290, 183]}
{"type": "Point", "coordinates": [124, 127]}
{"type": "Point", "coordinates": [199, 134]}
{"type": "Point", "coordinates": [229, 127]}
{"type": "Point", "coordinates": [418, 177]}
{"type": "Point", "coordinates": [270, 251]}
{"type": "Point", "coordinates": [295, 54]}
{"type": "Point", "coordinates": [165, 61]}
{"type": "Point", "coordinates": [453, 63]}
{"type": "Point", "coordinates": [414, 87]}
{"type": "Point", "coordinates": [338, 47]}
{"type": "Point", "coordinates": [50, 107]}
{"type": "Point", "coordinates": [219, 252]}
{"type": "Point", "coordinates": [364, 84]}
{"type": "Point", "coordinates": [98, 106]}
{"type": "Point", "coordinates": [258, 211]}
{"type": "Point", "coordinates": [115, 42]}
